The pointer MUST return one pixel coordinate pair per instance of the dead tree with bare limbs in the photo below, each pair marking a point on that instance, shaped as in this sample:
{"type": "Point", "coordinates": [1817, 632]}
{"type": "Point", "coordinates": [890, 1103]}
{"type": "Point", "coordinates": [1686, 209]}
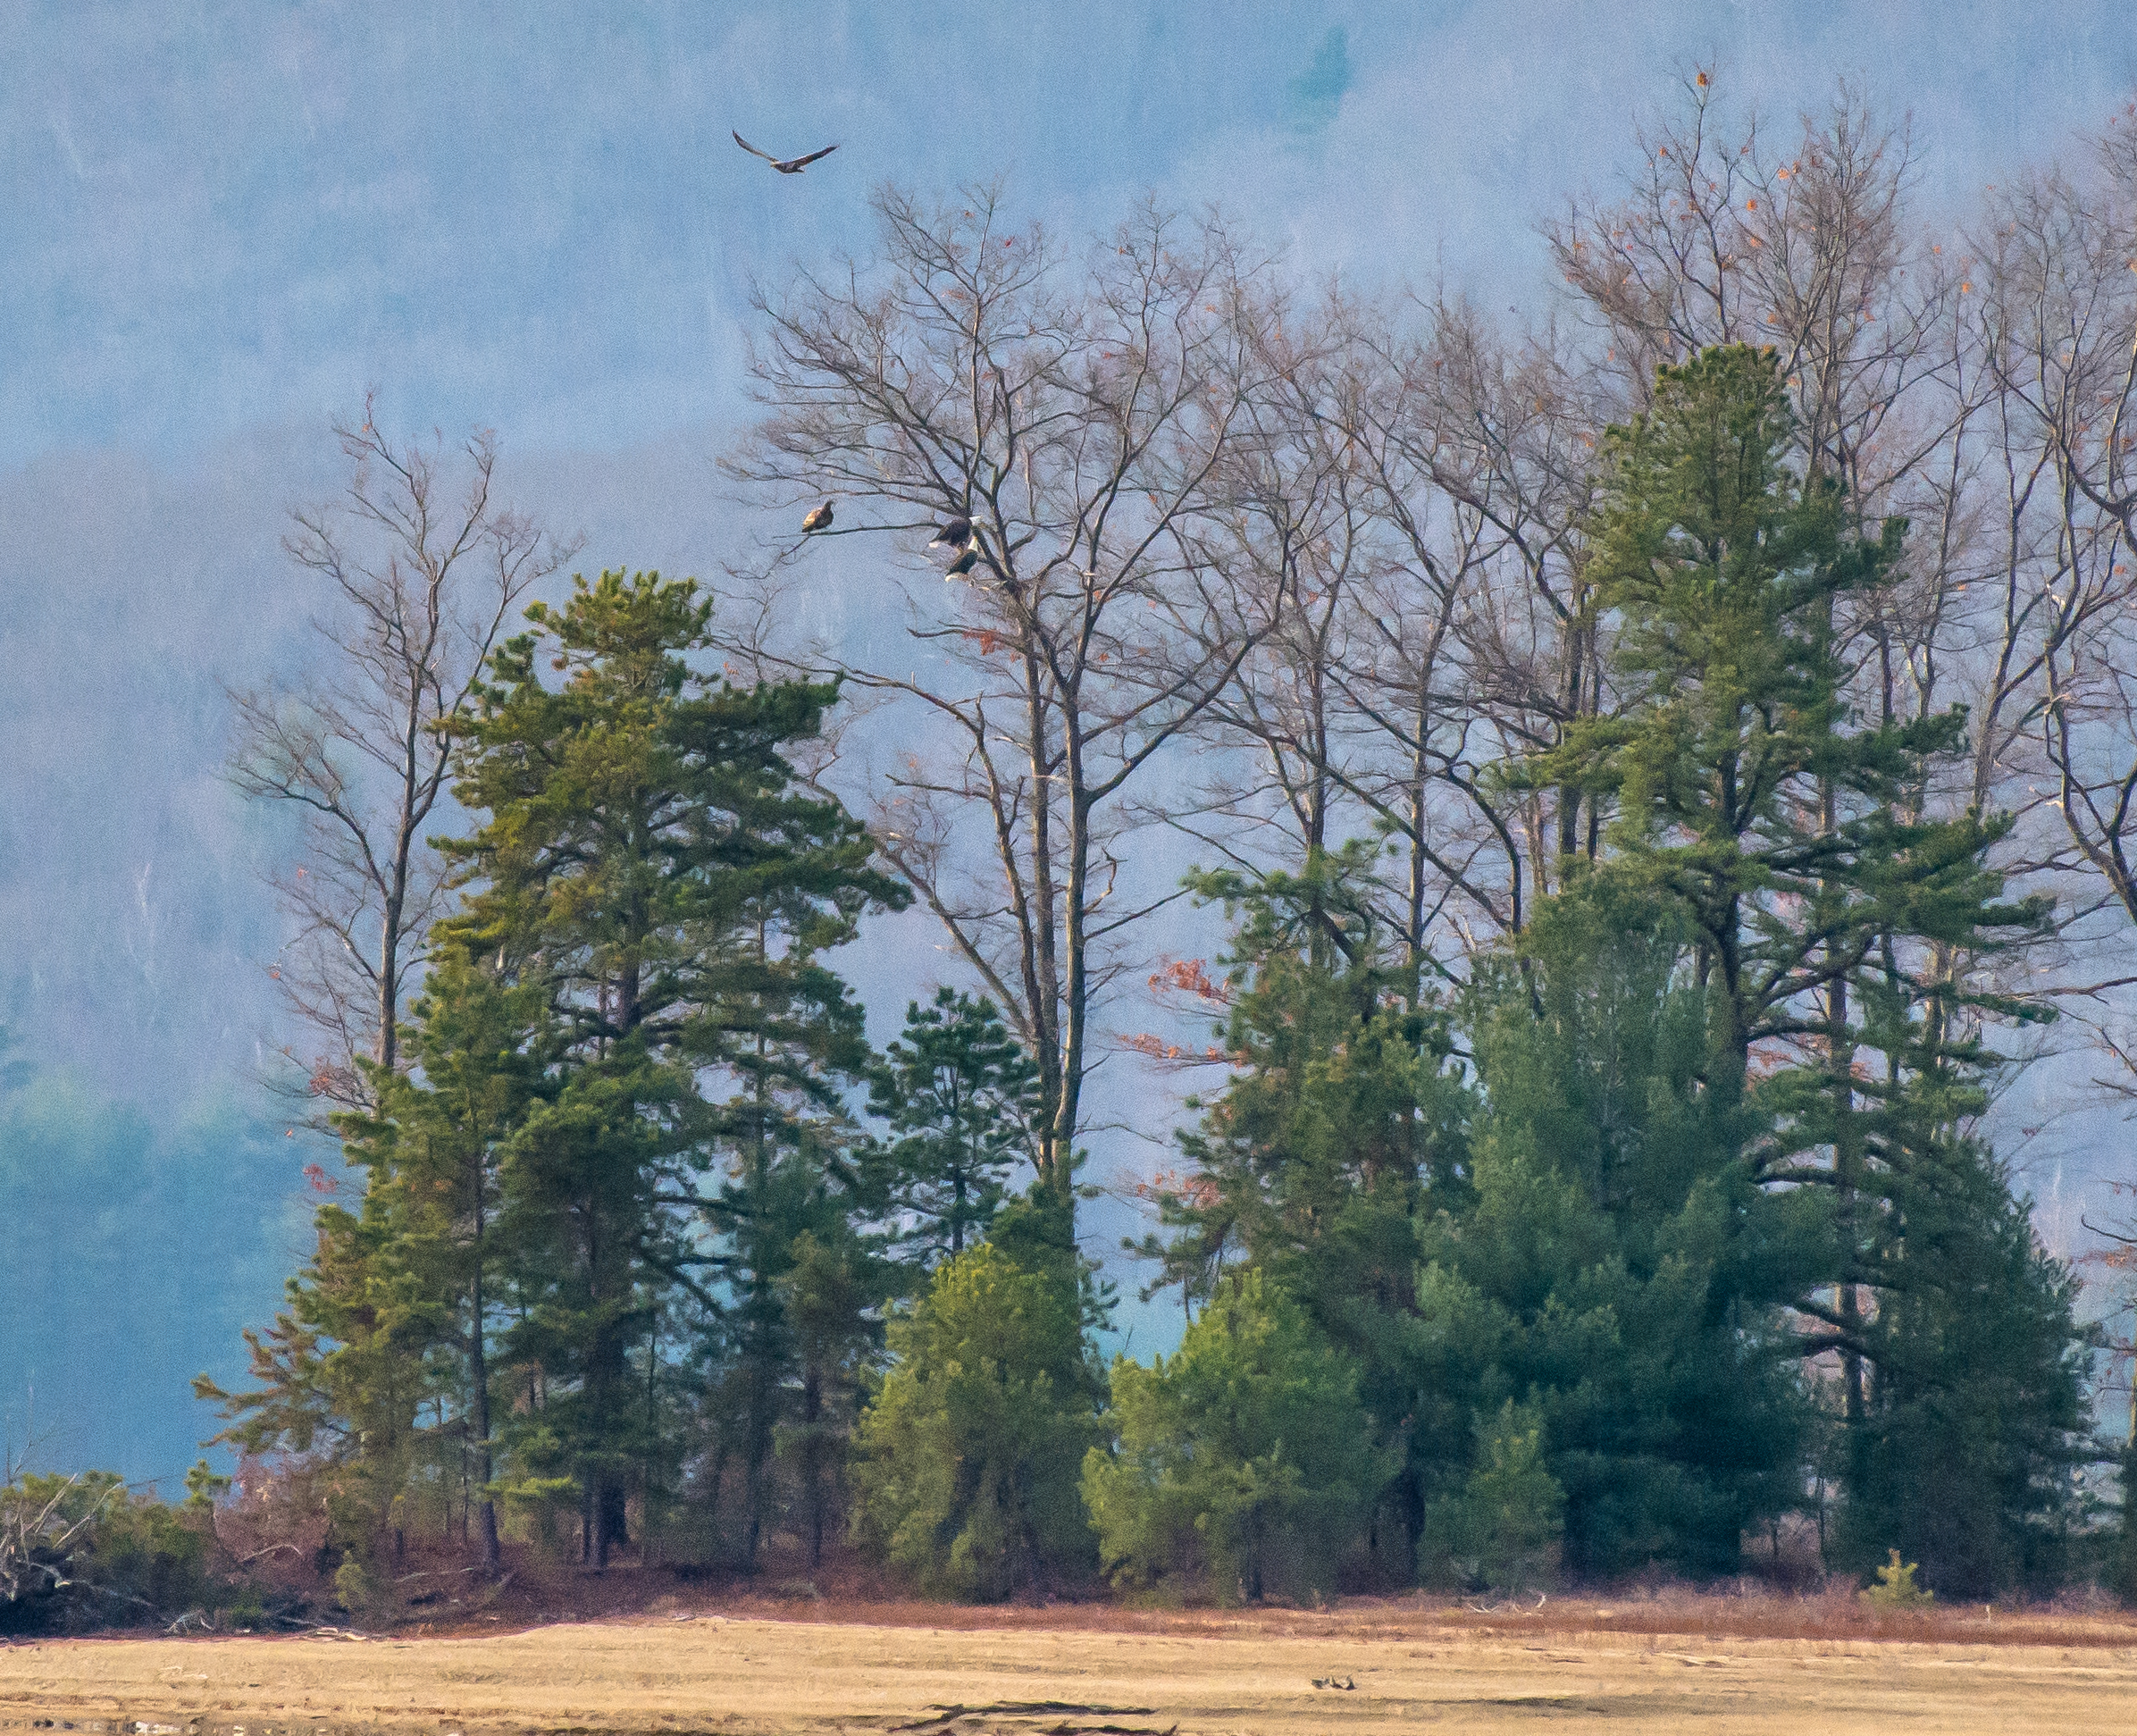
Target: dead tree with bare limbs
{"type": "Point", "coordinates": [421, 573]}
{"type": "Point", "coordinates": [2065, 349]}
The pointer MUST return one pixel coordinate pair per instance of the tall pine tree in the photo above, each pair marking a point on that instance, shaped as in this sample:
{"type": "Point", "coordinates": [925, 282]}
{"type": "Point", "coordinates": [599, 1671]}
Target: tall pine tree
{"type": "Point", "coordinates": [648, 860]}
{"type": "Point", "coordinates": [1824, 911]}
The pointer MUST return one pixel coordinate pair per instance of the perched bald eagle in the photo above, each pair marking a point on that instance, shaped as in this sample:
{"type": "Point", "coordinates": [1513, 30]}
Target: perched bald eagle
{"type": "Point", "coordinates": [818, 519]}
{"type": "Point", "coordinates": [793, 166]}
{"type": "Point", "coordinates": [963, 563]}
{"type": "Point", "coordinates": [955, 534]}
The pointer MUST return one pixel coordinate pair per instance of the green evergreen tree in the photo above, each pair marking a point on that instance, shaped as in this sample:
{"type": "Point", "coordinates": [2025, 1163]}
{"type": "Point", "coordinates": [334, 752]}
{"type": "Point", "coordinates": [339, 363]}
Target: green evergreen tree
{"type": "Point", "coordinates": [1746, 794]}
{"type": "Point", "coordinates": [629, 1000]}
{"type": "Point", "coordinates": [342, 1377]}
{"type": "Point", "coordinates": [1618, 1274]}
{"type": "Point", "coordinates": [1975, 1422]}
{"type": "Point", "coordinates": [969, 1458]}
{"type": "Point", "coordinates": [794, 1282]}
{"type": "Point", "coordinates": [1343, 1130]}
{"type": "Point", "coordinates": [2116, 1261]}
{"type": "Point", "coordinates": [1828, 918]}
{"type": "Point", "coordinates": [391, 1320]}
{"type": "Point", "coordinates": [958, 1094]}
{"type": "Point", "coordinates": [1499, 1530]}
{"type": "Point", "coordinates": [828, 1299]}
{"type": "Point", "coordinates": [394, 1317]}
{"type": "Point", "coordinates": [649, 862]}
{"type": "Point", "coordinates": [2117, 1541]}
{"type": "Point", "coordinates": [434, 1150]}
{"type": "Point", "coordinates": [1246, 1465]}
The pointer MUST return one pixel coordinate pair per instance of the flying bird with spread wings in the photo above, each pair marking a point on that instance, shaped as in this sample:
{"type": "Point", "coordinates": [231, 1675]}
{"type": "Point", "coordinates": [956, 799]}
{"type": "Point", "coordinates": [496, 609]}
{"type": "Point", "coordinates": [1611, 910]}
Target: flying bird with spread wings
{"type": "Point", "coordinates": [791, 165]}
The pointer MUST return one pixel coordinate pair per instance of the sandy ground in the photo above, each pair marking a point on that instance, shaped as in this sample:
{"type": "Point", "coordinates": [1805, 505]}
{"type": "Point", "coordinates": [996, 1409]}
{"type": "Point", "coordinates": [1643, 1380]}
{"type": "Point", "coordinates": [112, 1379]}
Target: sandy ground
{"type": "Point", "coordinates": [711, 1673]}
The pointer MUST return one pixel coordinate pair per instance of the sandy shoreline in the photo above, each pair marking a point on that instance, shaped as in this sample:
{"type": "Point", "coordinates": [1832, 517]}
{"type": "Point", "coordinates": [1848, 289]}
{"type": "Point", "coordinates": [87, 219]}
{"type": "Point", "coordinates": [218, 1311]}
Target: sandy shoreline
{"type": "Point", "coordinates": [1253, 1675]}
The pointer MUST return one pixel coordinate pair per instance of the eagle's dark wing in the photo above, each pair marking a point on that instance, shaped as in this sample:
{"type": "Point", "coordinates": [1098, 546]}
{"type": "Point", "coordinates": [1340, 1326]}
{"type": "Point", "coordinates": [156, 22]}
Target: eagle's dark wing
{"type": "Point", "coordinates": [803, 162]}
{"type": "Point", "coordinates": [752, 149]}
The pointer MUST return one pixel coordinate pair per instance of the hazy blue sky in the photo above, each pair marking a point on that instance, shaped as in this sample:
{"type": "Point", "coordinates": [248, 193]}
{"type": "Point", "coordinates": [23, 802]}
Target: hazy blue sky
{"type": "Point", "coordinates": [219, 217]}
{"type": "Point", "coordinates": [219, 224]}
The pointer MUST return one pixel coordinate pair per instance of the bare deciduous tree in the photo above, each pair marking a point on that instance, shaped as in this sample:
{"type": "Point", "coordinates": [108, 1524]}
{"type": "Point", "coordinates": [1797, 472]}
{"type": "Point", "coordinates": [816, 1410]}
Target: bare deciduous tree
{"type": "Point", "coordinates": [2052, 269]}
{"type": "Point", "coordinates": [2063, 347]}
{"type": "Point", "coordinates": [1075, 416]}
{"type": "Point", "coordinates": [1483, 450]}
{"type": "Point", "coordinates": [419, 581]}
{"type": "Point", "coordinates": [1288, 520]}
{"type": "Point", "coordinates": [1405, 506]}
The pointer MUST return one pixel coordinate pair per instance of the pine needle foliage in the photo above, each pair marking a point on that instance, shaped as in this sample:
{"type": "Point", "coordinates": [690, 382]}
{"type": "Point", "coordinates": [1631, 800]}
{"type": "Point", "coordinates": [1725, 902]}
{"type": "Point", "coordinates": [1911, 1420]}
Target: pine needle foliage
{"type": "Point", "coordinates": [1247, 1464]}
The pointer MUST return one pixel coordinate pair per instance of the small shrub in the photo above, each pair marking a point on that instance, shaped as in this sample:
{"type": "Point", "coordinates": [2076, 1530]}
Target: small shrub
{"type": "Point", "coordinates": [1896, 1587]}
{"type": "Point", "coordinates": [354, 1588]}
{"type": "Point", "coordinates": [968, 1463]}
{"type": "Point", "coordinates": [247, 1612]}
{"type": "Point", "coordinates": [1247, 1464]}
{"type": "Point", "coordinates": [1500, 1530]}
{"type": "Point", "coordinates": [79, 1553]}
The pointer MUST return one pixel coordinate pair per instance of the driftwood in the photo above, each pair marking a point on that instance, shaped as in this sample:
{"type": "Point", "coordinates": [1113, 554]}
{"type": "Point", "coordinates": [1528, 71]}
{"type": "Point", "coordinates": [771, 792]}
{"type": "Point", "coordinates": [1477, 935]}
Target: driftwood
{"type": "Point", "coordinates": [943, 1716]}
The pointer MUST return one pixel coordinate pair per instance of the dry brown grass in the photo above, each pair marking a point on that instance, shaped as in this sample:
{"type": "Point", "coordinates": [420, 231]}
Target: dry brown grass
{"type": "Point", "coordinates": [923, 1669]}
{"type": "Point", "coordinates": [544, 1594]}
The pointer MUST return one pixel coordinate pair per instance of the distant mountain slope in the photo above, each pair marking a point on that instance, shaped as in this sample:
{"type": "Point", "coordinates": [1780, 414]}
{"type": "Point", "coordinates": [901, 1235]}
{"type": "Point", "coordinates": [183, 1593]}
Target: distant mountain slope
{"type": "Point", "coordinates": [132, 1252]}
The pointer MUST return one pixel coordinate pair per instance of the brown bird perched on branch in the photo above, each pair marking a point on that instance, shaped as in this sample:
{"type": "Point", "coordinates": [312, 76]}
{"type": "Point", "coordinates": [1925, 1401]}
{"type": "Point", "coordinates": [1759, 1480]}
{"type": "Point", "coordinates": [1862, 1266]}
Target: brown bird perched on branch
{"type": "Point", "coordinates": [955, 534]}
{"type": "Point", "coordinates": [791, 165]}
{"type": "Point", "coordinates": [963, 563]}
{"type": "Point", "coordinates": [818, 519]}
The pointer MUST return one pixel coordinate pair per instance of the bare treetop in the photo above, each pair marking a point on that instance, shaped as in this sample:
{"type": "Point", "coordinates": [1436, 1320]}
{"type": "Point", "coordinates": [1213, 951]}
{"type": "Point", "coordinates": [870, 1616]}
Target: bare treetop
{"type": "Point", "coordinates": [1073, 416]}
{"type": "Point", "coordinates": [420, 578]}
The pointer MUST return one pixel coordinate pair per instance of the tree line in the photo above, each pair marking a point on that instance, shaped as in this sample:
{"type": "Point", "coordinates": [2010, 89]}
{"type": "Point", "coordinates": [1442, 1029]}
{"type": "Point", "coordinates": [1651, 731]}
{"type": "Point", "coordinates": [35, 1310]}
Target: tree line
{"type": "Point", "coordinates": [1649, 763]}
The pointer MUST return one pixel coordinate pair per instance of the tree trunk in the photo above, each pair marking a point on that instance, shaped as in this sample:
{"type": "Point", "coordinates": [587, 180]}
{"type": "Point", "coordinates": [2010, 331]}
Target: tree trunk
{"type": "Point", "coordinates": [478, 1371]}
{"type": "Point", "coordinates": [812, 1458]}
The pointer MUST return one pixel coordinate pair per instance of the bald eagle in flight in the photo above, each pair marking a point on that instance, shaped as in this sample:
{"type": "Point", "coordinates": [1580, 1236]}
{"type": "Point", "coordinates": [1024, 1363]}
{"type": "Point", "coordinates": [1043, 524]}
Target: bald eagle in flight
{"type": "Point", "coordinates": [793, 166]}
